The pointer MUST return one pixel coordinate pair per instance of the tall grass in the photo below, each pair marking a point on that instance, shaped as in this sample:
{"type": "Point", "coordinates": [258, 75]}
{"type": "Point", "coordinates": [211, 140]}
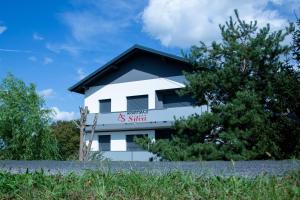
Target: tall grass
{"type": "Point", "coordinates": [133, 185]}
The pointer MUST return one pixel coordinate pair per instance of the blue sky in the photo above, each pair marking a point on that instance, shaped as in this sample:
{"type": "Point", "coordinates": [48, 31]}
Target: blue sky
{"type": "Point", "coordinates": [55, 43]}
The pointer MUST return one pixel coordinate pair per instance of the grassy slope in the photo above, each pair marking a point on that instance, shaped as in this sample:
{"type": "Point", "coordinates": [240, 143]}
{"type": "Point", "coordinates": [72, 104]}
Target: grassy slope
{"type": "Point", "coordinates": [98, 185]}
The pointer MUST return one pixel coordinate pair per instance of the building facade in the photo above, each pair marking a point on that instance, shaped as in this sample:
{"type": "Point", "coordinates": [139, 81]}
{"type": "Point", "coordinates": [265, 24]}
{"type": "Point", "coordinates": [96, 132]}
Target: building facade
{"type": "Point", "coordinates": [135, 95]}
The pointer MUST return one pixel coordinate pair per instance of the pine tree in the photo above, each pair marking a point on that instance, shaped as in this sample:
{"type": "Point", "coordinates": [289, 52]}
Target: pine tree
{"type": "Point", "coordinates": [252, 87]}
{"type": "Point", "coordinates": [296, 43]}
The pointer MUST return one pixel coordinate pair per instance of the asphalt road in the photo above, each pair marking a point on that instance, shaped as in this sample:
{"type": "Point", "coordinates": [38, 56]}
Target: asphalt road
{"type": "Point", "coordinates": [203, 168]}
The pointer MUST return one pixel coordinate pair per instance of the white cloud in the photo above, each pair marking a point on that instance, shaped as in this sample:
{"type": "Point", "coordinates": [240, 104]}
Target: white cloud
{"type": "Point", "coordinates": [2, 29]}
{"type": "Point", "coordinates": [183, 23]}
{"type": "Point", "coordinates": [47, 60]}
{"type": "Point", "coordinates": [47, 93]}
{"type": "Point", "coordinates": [94, 20]}
{"type": "Point", "coordinates": [57, 48]}
{"type": "Point", "coordinates": [91, 23]}
{"type": "Point", "coordinates": [63, 115]}
{"type": "Point", "coordinates": [32, 58]}
{"type": "Point", "coordinates": [85, 25]}
{"type": "Point", "coordinates": [37, 36]}
{"type": "Point", "coordinates": [278, 2]}
{"type": "Point", "coordinates": [15, 51]}
{"type": "Point", "coordinates": [81, 74]}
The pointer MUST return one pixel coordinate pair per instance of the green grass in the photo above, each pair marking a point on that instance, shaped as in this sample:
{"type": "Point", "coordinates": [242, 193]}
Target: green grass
{"type": "Point", "coordinates": [99, 185]}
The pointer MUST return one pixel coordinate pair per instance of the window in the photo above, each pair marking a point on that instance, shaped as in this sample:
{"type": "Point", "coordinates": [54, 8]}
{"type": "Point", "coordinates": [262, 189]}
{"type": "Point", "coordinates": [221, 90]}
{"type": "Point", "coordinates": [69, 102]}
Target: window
{"type": "Point", "coordinates": [105, 106]}
{"type": "Point", "coordinates": [137, 103]}
{"type": "Point", "coordinates": [104, 142]}
{"type": "Point", "coordinates": [174, 100]}
{"type": "Point", "coordinates": [170, 99]}
{"type": "Point", "coordinates": [131, 145]}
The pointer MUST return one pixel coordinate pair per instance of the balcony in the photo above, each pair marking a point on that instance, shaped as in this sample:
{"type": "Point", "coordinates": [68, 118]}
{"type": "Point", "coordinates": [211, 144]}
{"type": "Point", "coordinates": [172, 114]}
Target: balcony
{"type": "Point", "coordinates": [142, 119]}
{"type": "Point", "coordinates": [128, 155]}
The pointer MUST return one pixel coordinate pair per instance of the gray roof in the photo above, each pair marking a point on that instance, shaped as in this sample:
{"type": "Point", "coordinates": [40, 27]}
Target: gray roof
{"type": "Point", "coordinates": [80, 86]}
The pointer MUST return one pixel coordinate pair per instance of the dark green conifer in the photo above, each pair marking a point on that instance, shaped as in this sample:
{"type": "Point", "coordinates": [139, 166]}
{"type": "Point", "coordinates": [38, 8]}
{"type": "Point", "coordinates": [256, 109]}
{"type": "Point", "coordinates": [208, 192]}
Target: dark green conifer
{"type": "Point", "coordinates": [251, 84]}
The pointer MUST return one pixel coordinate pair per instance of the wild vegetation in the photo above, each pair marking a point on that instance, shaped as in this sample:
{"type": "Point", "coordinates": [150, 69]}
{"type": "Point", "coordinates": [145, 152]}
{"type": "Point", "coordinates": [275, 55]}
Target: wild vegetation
{"type": "Point", "coordinates": [67, 137]}
{"type": "Point", "coordinates": [250, 80]}
{"type": "Point", "coordinates": [98, 185]}
{"type": "Point", "coordinates": [25, 131]}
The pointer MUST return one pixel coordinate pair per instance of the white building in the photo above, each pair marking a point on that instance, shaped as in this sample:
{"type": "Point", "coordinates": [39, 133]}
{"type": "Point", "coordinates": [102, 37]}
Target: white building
{"type": "Point", "coordinates": [135, 95]}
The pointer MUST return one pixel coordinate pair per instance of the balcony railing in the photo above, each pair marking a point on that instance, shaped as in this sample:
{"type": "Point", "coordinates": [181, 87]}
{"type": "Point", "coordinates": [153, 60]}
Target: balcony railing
{"type": "Point", "coordinates": [128, 155]}
{"type": "Point", "coordinates": [167, 115]}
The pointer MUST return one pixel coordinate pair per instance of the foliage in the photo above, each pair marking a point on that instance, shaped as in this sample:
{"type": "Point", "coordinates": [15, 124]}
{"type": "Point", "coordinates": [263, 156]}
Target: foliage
{"type": "Point", "coordinates": [252, 86]}
{"type": "Point", "coordinates": [296, 43]}
{"type": "Point", "coordinates": [133, 185]}
{"type": "Point", "coordinates": [24, 123]}
{"type": "Point", "coordinates": [67, 136]}
{"type": "Point", "coordinates": [97, 155]}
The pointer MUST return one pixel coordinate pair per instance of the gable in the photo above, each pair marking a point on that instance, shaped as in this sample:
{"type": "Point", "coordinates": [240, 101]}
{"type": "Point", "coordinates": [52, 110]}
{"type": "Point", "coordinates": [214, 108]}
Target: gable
{"type": "Point", "coordinates": [140, 67]}
{"type": "Point", "coordinates": [136, 63]}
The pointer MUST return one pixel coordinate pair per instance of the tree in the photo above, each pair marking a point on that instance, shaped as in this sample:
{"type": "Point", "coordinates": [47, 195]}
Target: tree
{"type": "Point", "coordinates": [67, 136]}
{"type": "Point", "coordinates": [24, 123]}
{"type": "Point", "coordinates": [85, 150]}
{"type": "Point", "coordinates": [252, 87]}
{"type": "Point", "coordinates": [296, 43]}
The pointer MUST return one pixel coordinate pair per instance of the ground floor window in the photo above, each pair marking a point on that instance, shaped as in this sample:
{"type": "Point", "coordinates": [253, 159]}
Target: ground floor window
{"type": "Point", "coordinates": [131, 145]}
{"type": "Point", "coordinates": [104, 142]}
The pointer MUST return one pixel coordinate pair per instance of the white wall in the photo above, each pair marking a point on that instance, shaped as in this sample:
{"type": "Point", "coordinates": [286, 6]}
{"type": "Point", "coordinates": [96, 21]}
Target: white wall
{"type": "Point", "coordinates": [119, 91]}
{"type": "Point", "coordinates": [118, 139]}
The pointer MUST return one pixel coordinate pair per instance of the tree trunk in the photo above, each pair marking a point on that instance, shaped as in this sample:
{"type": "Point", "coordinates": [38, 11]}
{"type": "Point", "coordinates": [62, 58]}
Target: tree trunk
{"type": "Point", "coordinates": [88, 149]}
{"type": "Point", "coordinates": [83, 116]}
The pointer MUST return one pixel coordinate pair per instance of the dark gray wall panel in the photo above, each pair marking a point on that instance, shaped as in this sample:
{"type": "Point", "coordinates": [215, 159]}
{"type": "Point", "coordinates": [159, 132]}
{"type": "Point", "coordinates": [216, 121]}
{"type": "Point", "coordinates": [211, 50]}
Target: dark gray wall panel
{"type": "Point", "coordinates": [141, 67]}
